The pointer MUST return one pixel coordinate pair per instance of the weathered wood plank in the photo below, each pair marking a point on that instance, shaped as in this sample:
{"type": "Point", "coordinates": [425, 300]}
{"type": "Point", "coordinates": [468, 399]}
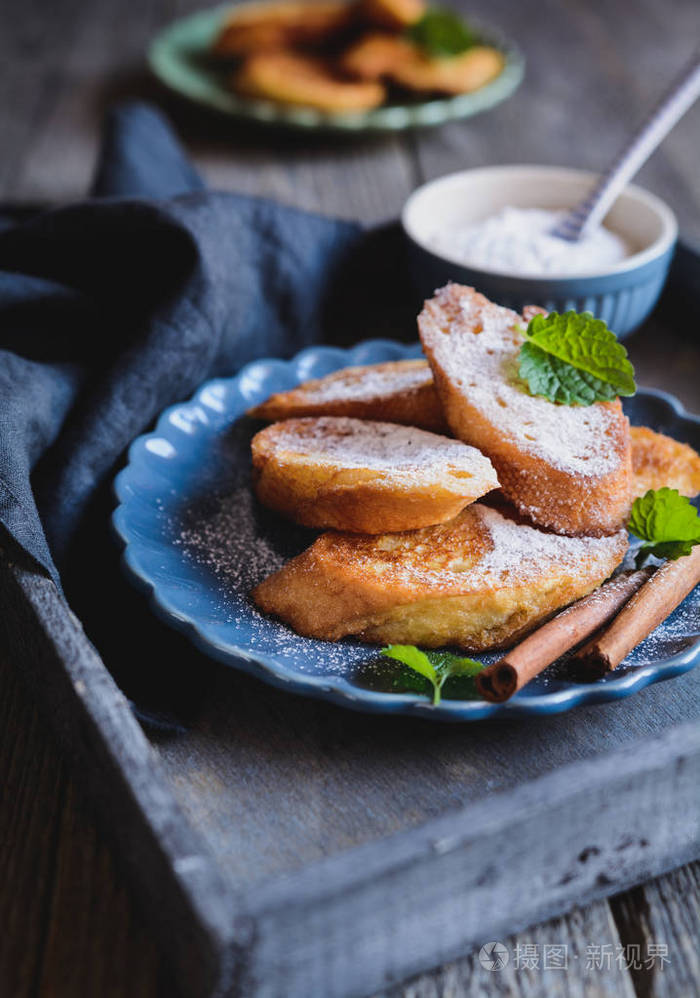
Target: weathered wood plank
{"type": "Point", "coordinates": [263, 774]}
{"type": "Point", "coordinates": [554, 959]}
{"type": "Point", "coordinates": [98, 945]}
{"type": "Point", "coordinates": [69, 926]}
{"type": "Point", "coordinates": [191, 907]}
{"type": "Point", "coordinates": [123, 959]}
{"type": "Point", "coordinates": [662, 920]}
{"type": "Point", "coordinates": [377, 913]}
{"type": "Point", "coordinates": [73, 60]}
{"type": "Point", "coordinates": [32, 802]}
{"type": "Point", "coordinates": [428, 888]}
{"type": "Point", "coordinates": [367, 179]}
{"type": "Point", "coordinates": [33, 43]}
{"type": "Point", "coordinates": [61, 64]}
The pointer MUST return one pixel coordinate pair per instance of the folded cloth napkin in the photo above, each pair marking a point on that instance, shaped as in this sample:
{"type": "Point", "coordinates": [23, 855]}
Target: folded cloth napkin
{"type": "Point", "coordinates": [116, 307]}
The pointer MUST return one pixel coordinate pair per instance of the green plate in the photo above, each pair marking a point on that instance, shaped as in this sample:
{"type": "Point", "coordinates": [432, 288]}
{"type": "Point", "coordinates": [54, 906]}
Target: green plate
{"type": "Point", "coordinates": [179, 57]}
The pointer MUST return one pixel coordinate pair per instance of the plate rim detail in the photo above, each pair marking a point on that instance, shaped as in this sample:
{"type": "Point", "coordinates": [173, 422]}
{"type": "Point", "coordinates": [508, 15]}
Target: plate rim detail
{"type": "Point", "coordinates": [338, 689]}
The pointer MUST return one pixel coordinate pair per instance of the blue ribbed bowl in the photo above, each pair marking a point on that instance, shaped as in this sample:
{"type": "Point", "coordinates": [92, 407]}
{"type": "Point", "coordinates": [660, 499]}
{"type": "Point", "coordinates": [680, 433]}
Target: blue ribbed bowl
{"type": "Point", "coordinates": [196, 542]}
{"type": "Point", "coordinates": [623, 295]}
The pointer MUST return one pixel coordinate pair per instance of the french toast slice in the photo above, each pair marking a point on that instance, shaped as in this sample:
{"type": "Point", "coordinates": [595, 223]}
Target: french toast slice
{"type": "Point", "coordinates": [568, 468]}
{"type": "Point", "coordinates": [390, 15]}
{"type": "Point", "coordinates": [365, 476]}
{"type": "Point", "coordinates": [381, 56]}
{"type": "Point", "coordinates": [301, 80]}
{"type": "Point", "coordinates": [658, 461]}
{"type": "Point", "coordinates": [403, 391]}
{"type": "Point", "coordinates": [271, 26]}
{"type": "Point", "coordinates": [480, 581]}
{"type": "Point", "coordinates": [397, 391]}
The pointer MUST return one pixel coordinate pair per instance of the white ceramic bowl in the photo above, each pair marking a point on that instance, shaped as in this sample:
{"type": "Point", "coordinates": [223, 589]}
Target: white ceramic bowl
{"type": "Point", "coordinates": [622, 294]}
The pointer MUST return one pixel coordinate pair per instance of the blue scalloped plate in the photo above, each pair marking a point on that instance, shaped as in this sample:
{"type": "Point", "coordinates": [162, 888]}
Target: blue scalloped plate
{"type": "Point", "coordinates": [197, 542]}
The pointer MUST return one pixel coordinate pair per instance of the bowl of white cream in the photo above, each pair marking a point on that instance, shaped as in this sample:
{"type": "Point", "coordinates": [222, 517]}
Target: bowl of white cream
{"type": "Point", "coordinates": [491, 228]}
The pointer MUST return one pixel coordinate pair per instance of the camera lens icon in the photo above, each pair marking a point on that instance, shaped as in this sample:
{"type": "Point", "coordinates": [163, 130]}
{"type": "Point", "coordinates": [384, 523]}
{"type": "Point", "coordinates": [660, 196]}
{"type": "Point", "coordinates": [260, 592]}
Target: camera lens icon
{"type": "Point", "coordinates": [493, 956]}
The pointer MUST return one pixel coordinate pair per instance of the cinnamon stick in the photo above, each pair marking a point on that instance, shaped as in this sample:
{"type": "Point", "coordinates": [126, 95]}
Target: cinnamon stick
{"type": "Point", "coordinates": [668, 586]}
{"type": "Point", "coordinates": [498, 682]}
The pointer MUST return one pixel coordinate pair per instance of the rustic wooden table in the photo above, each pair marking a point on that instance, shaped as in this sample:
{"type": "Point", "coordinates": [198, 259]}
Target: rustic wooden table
{"type": "Point", "coordinates": [70, 927]}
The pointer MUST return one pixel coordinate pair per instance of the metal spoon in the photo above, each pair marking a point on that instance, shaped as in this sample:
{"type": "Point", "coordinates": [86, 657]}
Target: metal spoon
{"type": "Point", "coordinates": [589, 213]}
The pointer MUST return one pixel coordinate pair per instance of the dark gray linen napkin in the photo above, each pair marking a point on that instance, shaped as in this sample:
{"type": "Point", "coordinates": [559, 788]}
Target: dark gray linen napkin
{"type": "Point", "coordinates": [116, 307]}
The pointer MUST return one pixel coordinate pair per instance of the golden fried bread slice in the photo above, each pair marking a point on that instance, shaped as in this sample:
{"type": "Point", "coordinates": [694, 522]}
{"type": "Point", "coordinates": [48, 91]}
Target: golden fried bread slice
{"type": "Point", "coordinates": [374, 56]}
{"type": "Point", "coordinates": [379, 56]}
{"type": "Point", "coordinates": [364, 476]}
{"type": "Point", "coordinates": [479, 581]}
{"type": "Point", "coordinates": [457, 74]}
{"type": "Point", "coordinates": [658, 461]}
{"type": "Point", "coordinates": [304, 81]}
{"type": "Point", "coordinates": [394, 15]}
{"type": "Point", "coordinates": [397, 391]}
{"type": "Point", "coordinates": [568, 468]}
{"type": "Point", "coordinates": [262, 27]}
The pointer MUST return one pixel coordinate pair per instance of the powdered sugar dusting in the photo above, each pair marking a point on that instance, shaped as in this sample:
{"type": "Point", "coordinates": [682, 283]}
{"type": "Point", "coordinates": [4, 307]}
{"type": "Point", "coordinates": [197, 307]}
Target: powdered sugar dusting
{"type": "Point", "coordinates": [480, 357]}
{"type": "Point", "coordinates": [681, 629]}
{"type": "Point", "coordinates": [388, 448]}
{"type": "Point", "coordinates": [441, 558]}
{"type": "Point", "coordinates": [521, 552]}
{"type": "Point", "coordinates": [369, 384]}
{"type": "Point", "coordinates": [236, 544]}
{"type": "Point", "coordinates": [205, 543]}
{"type": "Point", "coordinates": [520, 241]}
{"type": "Point", "coordinates": [209, 540]}
{"type": "Point", "coordinates": [236, 541]}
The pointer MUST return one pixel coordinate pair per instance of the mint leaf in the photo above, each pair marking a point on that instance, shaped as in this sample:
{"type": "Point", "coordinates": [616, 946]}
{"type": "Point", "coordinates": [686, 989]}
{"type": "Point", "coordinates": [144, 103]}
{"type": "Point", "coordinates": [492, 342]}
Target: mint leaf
{"type": "Point", "coordinates": [558, 381]}
{"type": "Point", "coordinates": [436, 667]}
{"type": "Point", "coordinates": [667, 521]}
{"type": "Point", "coordinates": [574, 359]}
{"type": "Point", "coordinates": [441, 32]}
{"type": "Point", "coordinates": [414, 658]}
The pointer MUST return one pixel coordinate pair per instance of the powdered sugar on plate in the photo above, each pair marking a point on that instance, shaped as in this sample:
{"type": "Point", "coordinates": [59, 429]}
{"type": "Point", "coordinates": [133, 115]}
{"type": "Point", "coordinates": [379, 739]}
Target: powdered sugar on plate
{"type": "Point", "coordinates": [236, 544]}
{"type": "Point", "coordinates": [224, 535]}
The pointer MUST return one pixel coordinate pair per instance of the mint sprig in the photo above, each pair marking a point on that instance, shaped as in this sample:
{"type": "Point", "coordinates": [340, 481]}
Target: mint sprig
{"type": "Point", "coordinates": [436, 666]}
{"type": "Point", "coordinates": [441, 32]}
{"type": "Point", "coordinates": [574, 359]}
{"type": "Point", "coordinates": [668, 523]}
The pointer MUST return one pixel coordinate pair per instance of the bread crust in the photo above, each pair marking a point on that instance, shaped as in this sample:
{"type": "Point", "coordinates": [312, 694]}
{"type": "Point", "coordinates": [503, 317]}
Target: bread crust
{"type": "Point", "coordinates": [301, 80]}
{"type": "Point", "coordinates": [658, 461]}
{"type": "Point", "coordinates": [274, 26]}
{"type": "Point", "coordinates": [459, 327]}
{"type": "Point", "coordinates": [393, 15]}
{"type": "Point", "coordinates": [478, 582]}
{"type": "Point", "coordinates": [404, 392]}
{"type": "Point", "coordinates": [379, 56]}
{"type": "Point", "coordinates": [320, 472]}
{"type": "Point", "coordinates": [397, 391]}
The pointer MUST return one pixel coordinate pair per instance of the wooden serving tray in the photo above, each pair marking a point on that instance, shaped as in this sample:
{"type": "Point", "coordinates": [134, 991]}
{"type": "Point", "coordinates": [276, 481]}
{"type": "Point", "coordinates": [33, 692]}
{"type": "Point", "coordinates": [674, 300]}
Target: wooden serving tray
{"type": "Point", "coordinates": [285, 847]}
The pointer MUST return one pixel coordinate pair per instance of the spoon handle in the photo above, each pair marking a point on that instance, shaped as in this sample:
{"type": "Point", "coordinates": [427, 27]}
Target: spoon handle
{"type": "Point", "coordinates": [589, 213]}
